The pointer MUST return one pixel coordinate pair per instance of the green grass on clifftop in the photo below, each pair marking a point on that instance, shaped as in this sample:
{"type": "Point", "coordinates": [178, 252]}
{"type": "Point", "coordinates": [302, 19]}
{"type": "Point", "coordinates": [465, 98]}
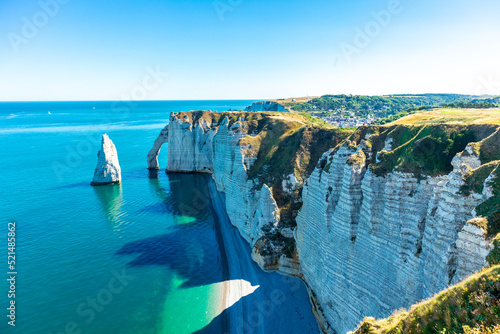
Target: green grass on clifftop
{"type": "Point", "coordinates": [422, 150]}
{"type": "Point", "coordinates": [429, 152]}
{"type": "Point", "coordinates": [472, 306]}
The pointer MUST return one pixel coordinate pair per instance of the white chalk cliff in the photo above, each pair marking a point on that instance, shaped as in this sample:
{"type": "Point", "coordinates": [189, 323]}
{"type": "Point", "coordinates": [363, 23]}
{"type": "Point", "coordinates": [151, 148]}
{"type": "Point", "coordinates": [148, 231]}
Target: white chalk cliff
{"type": "Point", "coordinates": [367, 244]}
{"type": "Point", "coordinates": [108, 169]}
{"type": "Point", "coordinates": [213, 148]}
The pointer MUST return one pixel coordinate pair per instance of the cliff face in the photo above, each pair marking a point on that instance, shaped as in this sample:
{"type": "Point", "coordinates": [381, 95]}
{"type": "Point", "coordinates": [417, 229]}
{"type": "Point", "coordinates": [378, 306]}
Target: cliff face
{"type": "Point", "coordinates": [372, 235]}
{"type": "Point", "coordinates": [257, 160]}
{"type": "Point", "coordinates": [207, 146]}
{"type": "Point", "coordinates": [371, 244]}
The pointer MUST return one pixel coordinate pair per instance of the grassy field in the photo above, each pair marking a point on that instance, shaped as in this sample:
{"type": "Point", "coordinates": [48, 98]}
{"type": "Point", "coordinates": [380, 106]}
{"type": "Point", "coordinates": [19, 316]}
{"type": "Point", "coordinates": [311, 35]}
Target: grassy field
{"type": "Point", "coordinates": [290, 102]}
{"type": "Point", "coordinates": [452, 116]}
{"type": "Point", "coordinates": [297, 99]}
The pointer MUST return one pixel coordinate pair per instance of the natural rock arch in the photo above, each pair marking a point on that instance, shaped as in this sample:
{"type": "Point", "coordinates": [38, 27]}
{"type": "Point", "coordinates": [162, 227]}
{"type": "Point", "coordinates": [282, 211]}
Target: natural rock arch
{"type": "Point", "coordinates": [155, 150]}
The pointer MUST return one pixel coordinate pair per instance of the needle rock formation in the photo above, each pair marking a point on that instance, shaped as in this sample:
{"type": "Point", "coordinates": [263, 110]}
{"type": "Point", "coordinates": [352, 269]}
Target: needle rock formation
{"type": "Point", "coordinates": [108, 169]}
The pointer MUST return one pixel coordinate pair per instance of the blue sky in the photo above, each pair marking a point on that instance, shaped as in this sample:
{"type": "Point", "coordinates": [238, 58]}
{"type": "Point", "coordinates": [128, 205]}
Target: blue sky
{"type": "Point", "coordinates": [232, 49]}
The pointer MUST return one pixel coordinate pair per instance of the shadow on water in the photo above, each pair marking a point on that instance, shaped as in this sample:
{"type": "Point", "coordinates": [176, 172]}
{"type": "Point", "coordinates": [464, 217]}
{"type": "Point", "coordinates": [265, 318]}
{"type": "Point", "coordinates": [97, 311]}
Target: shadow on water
{"type": "Point", "coordinates": [191, 247]}
{"type": "Point", "coordinates": [198, 255]}
{"type": "Point", "coordinates": [185, 250]}
{"type": "Point", "coordinates": [184, 198]}
{"type": "Point", "coordinates": [214, 326]}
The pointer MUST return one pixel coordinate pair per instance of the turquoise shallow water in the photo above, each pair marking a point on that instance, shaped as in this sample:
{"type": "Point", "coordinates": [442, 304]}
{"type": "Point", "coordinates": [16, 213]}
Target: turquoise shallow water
{"type": "Point", "coordinates": [140, 257]}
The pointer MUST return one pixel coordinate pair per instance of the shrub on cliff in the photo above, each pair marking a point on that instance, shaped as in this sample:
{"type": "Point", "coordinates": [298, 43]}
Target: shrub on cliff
{"type": "Point", "coordinates": [472, 306]}
{"type": "Point", "coordinates": [424, 150]}
{"type": "Point", "coordinates": [284, 145]}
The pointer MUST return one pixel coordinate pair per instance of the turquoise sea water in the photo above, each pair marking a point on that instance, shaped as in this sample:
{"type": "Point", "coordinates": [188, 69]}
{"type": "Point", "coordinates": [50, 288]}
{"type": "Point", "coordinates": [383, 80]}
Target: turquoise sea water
{"type": "Point", "coordinates": [140, 257]}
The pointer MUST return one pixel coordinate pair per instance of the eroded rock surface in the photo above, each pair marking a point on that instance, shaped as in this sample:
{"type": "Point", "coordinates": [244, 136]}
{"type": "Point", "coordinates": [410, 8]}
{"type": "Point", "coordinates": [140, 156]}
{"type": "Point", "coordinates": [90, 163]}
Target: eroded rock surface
{"type": "Point", "coordinates": [108, 169]}
{"type": "Point", "coordinates": [371, 244]}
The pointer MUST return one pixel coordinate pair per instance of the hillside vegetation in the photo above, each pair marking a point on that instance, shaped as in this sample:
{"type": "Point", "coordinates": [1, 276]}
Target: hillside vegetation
{"type": "Point", "coordinates": [486, 145]}
{"type": "Point", "coordinates": [424, 150]}
{"type": "Point", "coordinates": [281, 143]}
{"type": "Point", "coordinates": [383, 106]}
{"type": "Point", "coordinates": [472, 306]}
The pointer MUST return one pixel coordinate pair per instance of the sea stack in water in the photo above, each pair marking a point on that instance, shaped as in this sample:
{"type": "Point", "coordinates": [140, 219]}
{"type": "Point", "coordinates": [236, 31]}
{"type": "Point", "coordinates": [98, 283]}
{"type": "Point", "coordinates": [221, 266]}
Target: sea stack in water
{"type": "Point", "coordinates": [108, 169]}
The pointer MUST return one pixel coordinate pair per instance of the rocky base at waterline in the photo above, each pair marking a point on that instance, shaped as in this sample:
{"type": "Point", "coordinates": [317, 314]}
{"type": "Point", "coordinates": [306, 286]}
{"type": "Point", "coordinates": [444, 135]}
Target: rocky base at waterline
{"type": "Point", "coordinates": [374, 219]}
{"type": "Point", "coordinates": [108, 169]}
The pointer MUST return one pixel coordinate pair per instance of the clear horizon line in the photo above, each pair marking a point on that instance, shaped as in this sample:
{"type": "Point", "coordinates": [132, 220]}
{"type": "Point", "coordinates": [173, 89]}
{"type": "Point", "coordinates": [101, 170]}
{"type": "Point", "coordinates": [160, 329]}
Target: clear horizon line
{"type": "Point", "coordinates": [246, 99]}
